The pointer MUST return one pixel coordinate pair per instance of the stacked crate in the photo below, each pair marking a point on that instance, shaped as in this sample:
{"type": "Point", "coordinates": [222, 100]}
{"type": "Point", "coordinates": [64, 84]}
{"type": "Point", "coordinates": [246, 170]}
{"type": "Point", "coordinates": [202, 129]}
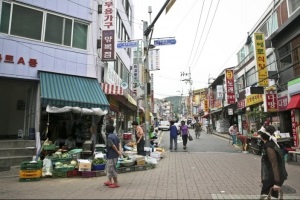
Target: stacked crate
{"type": "Point", "coordinates": [30, 171]}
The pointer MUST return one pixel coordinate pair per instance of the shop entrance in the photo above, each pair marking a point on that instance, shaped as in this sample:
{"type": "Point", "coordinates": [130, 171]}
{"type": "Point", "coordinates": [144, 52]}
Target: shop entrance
{"type": "Point", "coordinates": [18, 106]}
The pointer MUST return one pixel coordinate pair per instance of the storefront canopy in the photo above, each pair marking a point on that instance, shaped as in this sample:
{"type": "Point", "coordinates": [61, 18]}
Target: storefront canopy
{"type": "Point", "coordinates": [66, 90]}
{"type": "Point", "coordinates": [83, 111]}
{"type": "Point", "coordinates": [294, 102]}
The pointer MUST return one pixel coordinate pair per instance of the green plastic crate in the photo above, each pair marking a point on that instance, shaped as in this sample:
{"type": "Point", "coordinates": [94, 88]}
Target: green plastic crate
{"type": "Point", "coordinates": [63, 169]}
{"type": "Point", "coordinates": [27, 165]}
{"type": "Point", "coordinates": [62, 160]}
{"type": "Point", "coordinates": [49, 147]}
{"type": "Point", "coordinates": [59, 174]}
{"type": "Point", "coordinates": [29, 179]}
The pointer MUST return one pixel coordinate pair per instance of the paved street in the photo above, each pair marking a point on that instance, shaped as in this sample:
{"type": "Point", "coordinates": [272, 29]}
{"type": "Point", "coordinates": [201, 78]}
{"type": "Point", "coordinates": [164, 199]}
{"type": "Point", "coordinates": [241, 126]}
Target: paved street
{"type": "Point", "coordinates": [208, 169]}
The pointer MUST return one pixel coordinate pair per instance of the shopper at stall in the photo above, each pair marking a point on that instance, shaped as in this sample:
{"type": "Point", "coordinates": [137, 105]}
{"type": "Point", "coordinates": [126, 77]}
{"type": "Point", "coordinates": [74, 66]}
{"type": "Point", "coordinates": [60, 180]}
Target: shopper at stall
{"type": "Point", "coordinates": [173, 135]}
{"type": "Point", "coordinates": [273, 172]}
{"type": "Point", "coordinates": [184, 133]}
{"type": "Point", "coordinates": [233, 131]}
{"type": "Point", "coordinates": [140, 140]}
{"type": "Point", "coordinates": [114, 150]}
{"type": "Point", "coordinates": [70, 143]}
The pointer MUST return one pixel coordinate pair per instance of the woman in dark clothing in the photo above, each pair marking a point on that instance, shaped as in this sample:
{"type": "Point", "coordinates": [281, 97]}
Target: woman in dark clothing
{"type": "Point", "coordinates": [273, 172]}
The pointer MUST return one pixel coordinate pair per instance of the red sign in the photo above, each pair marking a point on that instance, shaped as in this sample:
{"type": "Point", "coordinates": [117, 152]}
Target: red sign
{"type": "Point", "coordinates": [108, 45]}
{"type": "Point", "coordinates": [11, 59]}
{"type": "Point", "coordinates": [271, 100]}
{"type": "Point", "coordinates": [230, 86]}
{"type": "Point", "coordinates": [294, 128]}
{"type": "Point", "coordinates": [241, 104]}
{"type": "Point", "coordinates": [282, 102]}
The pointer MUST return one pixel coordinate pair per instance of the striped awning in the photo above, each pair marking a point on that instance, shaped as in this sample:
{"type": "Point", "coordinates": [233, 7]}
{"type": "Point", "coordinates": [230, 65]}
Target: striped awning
{"type": "Point", "coordinates": [112, 89]}
{"type": "Point", "coordinates": [67, 90]}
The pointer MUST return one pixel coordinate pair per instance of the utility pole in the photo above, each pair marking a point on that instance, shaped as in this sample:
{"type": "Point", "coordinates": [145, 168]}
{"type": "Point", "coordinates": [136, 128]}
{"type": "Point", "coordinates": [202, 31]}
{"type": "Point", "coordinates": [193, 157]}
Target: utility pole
{"type": "Point", "coordinates": [188, 80]}
{"type": "Point", "coordinates": [146, 32]}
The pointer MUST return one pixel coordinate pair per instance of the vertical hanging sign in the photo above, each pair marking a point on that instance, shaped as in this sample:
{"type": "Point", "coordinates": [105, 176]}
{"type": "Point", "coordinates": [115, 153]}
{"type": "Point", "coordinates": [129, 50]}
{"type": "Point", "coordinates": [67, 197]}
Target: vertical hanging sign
{"type": "Point", "coordinates": [154, 59]}
{"type": "Point", "coordinates": [261, 60]}
{"type": "Point", "coordinates": [294, 128]}
{"type": "Point", "coordinates": [108, 31]}
{"type": "Point", "coordinates": [230, 86]}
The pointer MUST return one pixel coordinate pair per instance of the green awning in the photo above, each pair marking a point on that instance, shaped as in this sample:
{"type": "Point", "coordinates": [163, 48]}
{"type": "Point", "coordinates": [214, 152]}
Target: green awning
{"type": "Point", "coordinates": [67, 90]}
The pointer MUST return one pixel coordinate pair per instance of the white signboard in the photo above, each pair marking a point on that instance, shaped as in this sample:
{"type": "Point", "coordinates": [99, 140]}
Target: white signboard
{"type": "Point", "coordinates": [111, 77]}
{"type": "Point", "coordinates": [219, 91]}
{"type": "Point", "coordinates": [154, 59]}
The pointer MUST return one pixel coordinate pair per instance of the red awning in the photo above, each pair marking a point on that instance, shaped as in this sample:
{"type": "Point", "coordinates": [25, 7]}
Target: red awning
{"type": "Point", "coordinates": [112, 89]}
{"type": "Point", "coordinates": [294, 102]}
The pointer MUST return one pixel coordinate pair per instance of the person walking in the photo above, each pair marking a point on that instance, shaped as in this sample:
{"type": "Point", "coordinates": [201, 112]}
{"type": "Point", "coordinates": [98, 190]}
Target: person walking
{"type": "Point", "coordinates": [232, 132]}
{"type": "Point", "coordinates": [206, 124]}
{"type": "Point", "coordinates": [140, 140]}
{"type": "Point", "coordinates": [273, 171]}
{"type": "Point", "coordinates": [173, 135]}
{"type": "Point", "coordinates": [197, 127]}
{"type": "Point", "coordinates": [114, 150]}
{"type": "Point", "coordinates": [184, 133]}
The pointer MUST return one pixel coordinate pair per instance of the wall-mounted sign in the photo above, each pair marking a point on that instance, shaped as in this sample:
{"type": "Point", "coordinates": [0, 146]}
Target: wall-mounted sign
{"type": "Point", "coordinates": [230, 86]}
{"type": "Point", "coordinates": [295, 127]}
{"type": "Point", "coordinates": [271, 101]}
{"type": "Point", "coordinates": [254, 99]}
{"type": "Point", "coordinates": [261, 60]}
{"type": "Point", "coordinates": [154, 59]}
{"type": "Point", "coordinates": [19, 60]}
{"type": "Point", "coordinates": [282, 100]}
{"type": "Point", "coordinates": [219, 91]}
{"type": "Point", "coordinates": [108, 30]}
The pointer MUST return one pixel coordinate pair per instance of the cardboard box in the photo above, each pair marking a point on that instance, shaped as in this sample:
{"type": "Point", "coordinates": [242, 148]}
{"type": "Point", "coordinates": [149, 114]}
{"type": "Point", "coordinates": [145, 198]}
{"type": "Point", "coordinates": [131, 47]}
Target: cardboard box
{"type": "Point", "coordinates": [84, 165]}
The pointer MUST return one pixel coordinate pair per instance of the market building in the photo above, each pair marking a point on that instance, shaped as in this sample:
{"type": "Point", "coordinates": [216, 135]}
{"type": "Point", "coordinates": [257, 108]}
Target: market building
{"type": "Point", "coordinates": [58, 77]}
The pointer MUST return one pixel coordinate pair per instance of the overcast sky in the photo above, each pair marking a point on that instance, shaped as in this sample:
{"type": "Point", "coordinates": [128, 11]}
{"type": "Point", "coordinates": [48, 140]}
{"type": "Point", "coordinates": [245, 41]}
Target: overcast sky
{"type": "Point", "coordinates": [208, 35]}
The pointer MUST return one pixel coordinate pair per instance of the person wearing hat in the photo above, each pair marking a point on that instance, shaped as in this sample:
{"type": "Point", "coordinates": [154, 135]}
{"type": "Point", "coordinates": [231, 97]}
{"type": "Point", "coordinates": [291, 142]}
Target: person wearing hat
{"type": "Point", "coordinates": [232, 132]}
{"type": "Point", "coordinates": [273, 172]}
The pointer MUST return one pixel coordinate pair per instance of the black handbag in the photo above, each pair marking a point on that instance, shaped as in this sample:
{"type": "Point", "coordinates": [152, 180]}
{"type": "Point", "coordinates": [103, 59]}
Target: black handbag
{"type": "Point", "coordinates": [190, 137]}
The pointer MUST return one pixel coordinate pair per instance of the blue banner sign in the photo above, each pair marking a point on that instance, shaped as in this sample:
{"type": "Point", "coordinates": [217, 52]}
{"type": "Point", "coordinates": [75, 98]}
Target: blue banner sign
{"type": "Point", "coordinates": [164, 42]}
{"type": "Point", "coordinates": [127, 44]}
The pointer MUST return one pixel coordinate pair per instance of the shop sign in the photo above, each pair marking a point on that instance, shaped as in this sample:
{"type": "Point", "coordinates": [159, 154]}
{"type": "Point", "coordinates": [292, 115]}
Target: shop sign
{"type": "Point", "coordinates": [135, 77]}
{"type": "Point", "coordinates": [20, 60]}
{"type": "Point", "coordinates": [108, 30]}
{"type": "Point", "coordinates": [205, 105]}
{"type": "Point", "coordinates": [154, 59]}
{"type": "Point", "coordinates": [218, 103]}
{"type": "Point", "coordinates": [219, 91]}
{"type": "Point", "coordinates": [211, 101]}
{"type": "Point", "coordinates": [241, 104]}
{"type": "Point", "coordinates": [294, 87]}
{"type": "Point", "coordinates": [230, 86]}
{"type": "Point", "coordinates": [282, 101]}
{"type": "Point", "coordinates": [271, 100]}
{"type": "Point", "coordinates": [111, 77]}
{"type": "Point", "coordinates": [261, 60]}
{"type": "Point", "coordinates": [295, 128]}
{"type": "Point", "coordinates": [254, 99]}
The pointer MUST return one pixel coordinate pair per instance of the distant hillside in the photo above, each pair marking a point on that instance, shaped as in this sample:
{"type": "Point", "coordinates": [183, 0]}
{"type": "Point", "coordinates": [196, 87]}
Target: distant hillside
{"type": "Point", "coordinates": [176, 101]}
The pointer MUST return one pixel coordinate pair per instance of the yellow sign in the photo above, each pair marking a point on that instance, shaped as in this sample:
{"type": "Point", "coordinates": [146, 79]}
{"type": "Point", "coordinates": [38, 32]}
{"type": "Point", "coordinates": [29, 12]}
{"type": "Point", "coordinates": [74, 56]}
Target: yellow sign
{"type": "Point", "coordinates": [131, 100]}
{"type": "Point", "coordinates": [261, 60]}
{"type": "Point", "coordinates": [205, 105]}
{"type": "Point", "coordinates": [229, 74]}
{"type": "Point", "coordinates": [254, 99]}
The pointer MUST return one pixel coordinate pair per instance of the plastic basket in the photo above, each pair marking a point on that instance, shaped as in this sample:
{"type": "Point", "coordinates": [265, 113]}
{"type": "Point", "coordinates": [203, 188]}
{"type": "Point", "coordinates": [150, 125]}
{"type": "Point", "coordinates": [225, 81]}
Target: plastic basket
{"type": "Point", "coordinates": [62, 160]}
{"type": "Point", "coordinates": [64, 169]}
{"type": "Point", "coordinates": [73, 173]}
{"type": "Point", "coordinates": [29, 179]}
{"type": "Point", "coordinates": [140, 168]}
{"type": "Point", "coordinates": [59, 174]}
{"type": "Point", "coordinates": [99, 167]}
{"type": "Point", "coordinates": [88, 174]}
{"type": "Point", "coordinates": [29, 165]}
{"type": "Point", "coordinates": [49, 147]}
{"type": "Point", "coordinates": [30, 173]}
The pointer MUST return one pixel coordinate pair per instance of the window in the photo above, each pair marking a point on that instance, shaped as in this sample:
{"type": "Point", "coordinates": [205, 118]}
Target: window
{"type": "Point", "coordinates": [26, 22]}
{"type": "Point", "coordinates": [241, 55]}
{"type": "Point", "coordinates": [240, 83]}
{"type": "Point", "coordinates": [58, 30]}
{"type": "Point", "coordinates": [285, 57]}
{"type": "Point", "coordinates": [29, 23]}
{"type": "Point", "coordinates": [80, 35]}
{"type": "Point", "coordinates": [5, 14]}
{"type": "Point", "coordinates": [270, 25]}
{"type": "Point", "coordinates": [251, 76]}
{"type": "Point", "coordinates": [293, 5]}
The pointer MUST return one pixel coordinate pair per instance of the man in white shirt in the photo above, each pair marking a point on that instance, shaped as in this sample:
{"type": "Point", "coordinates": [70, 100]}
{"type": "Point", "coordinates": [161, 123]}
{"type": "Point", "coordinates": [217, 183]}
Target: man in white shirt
{"type": "Point", "coordinates": [233, 132]}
